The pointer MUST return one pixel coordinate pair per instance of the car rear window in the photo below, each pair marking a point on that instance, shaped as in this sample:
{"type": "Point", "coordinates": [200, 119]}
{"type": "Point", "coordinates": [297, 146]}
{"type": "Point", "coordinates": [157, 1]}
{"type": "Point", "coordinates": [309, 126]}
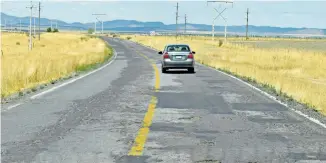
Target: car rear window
{"type": "Point", "coordinates": [178, 48]}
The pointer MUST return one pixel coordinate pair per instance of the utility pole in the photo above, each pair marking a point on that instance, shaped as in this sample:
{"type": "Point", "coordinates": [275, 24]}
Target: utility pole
{"type": "Point", "coordinates": [51, 25]}
{"type": "Point", "coordinates": [247, 24]}
{"type": "Point", "coordinates": [185, 23]}
{"type": "Point", "coordinates": [30, 26]}
{"type": "Point", "coordinates": [102, 24]}
{"type": "Point", "coordinates": [10, 23]}
{"type": "Point", "coordinates": [39, 20]}
{"type": "Point", "coordinates": [225, 28]}
{"type": "Point", "coordinates": [34, 27]}
{"type": "Point", "coordinates": [56, 24]}
{"type": "Point", "coordinates": [176, 21]}
{"type": "Point", "coordinates": [95, 27]}
{"type": "Point", "coordinates": [20, 25]}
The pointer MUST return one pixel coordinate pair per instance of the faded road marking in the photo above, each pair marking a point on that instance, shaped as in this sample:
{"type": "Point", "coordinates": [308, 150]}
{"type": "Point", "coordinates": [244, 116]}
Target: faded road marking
{"type": "Point", "coordinates": [157, 80]}
{"type": "Point", "coordinates": [13, 106]}
{"type": "Point", "coordinates": [140, 140]}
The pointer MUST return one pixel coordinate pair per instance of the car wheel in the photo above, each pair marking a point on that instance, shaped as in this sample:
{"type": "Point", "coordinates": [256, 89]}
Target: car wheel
{"type": "Point", "coordinates": [163, 70]}
{"type": "Point", "coordinates": [191, 70]}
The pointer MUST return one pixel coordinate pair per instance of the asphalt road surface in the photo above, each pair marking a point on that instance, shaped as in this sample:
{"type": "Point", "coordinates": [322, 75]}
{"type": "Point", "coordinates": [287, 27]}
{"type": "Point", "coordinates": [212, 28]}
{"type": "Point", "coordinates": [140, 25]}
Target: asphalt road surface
{"type": "Point", "coordinates": [117, 115]}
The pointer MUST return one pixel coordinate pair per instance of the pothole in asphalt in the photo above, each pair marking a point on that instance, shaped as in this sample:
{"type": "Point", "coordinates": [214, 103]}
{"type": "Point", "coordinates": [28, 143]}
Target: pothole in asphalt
{"type": "Point", "coordinates": [189, 118]}
{"type": "Point", "coordinates": [208, 161]}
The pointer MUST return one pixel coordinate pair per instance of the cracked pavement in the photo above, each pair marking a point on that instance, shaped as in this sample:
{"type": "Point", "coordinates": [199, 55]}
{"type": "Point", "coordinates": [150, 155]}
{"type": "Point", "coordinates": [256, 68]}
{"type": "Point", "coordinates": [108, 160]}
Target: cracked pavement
{"type": "Point", "coordinates": [201, 117]}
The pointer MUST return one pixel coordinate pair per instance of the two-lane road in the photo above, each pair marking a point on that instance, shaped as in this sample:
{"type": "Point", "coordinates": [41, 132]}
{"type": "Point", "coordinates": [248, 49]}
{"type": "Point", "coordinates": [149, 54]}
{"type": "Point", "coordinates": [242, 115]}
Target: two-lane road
{"type": "Point", "coordinates": [116, 115]}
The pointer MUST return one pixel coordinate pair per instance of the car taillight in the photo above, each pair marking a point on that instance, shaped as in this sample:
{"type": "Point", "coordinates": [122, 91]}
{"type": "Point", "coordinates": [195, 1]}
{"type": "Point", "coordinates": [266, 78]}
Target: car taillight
{"type": "Point", "coordinates": [166, 55]}
{"type": "Point", "coordinates": [191, 56]}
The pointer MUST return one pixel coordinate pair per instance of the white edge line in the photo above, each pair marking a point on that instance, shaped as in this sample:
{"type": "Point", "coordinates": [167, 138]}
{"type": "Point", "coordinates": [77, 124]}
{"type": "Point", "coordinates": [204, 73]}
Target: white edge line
{"type": "Point", "coordinates": [270, 96]}
{"type": "Point", "coordinates": [316, 121]}
{"type": "Point", "coordinates": [73, 80]}
{"type": "Point", "coordinates": [12, 106]}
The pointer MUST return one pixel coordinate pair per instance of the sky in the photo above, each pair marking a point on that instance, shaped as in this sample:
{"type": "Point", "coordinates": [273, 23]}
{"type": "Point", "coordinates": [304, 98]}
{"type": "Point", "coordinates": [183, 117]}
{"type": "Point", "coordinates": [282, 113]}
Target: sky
{"type": "Point", "coordinates": [310, 14]}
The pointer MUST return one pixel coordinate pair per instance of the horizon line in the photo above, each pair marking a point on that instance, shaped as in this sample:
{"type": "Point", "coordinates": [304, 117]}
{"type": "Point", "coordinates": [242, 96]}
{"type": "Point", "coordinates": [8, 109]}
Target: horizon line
{"type": "Point", "coordinates": [163, 23]}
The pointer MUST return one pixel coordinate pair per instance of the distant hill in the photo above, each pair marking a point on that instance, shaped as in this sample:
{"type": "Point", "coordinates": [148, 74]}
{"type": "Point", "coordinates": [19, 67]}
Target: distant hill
{"type": "Point", "coordinates": [138, 26]}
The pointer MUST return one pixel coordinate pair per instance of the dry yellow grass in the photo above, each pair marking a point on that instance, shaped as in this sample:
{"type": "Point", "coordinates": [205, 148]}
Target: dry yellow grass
{"type": "Point", "coordinates": [299, 73]}
{"type": "Point", "coordinates": [56, 55]}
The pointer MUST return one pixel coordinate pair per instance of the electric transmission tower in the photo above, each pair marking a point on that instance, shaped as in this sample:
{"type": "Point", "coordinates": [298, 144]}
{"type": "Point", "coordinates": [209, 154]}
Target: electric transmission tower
{"type": "Point", "coordinates": [99, 21]}
{"type": "Point", "coordinates": [219, 14]}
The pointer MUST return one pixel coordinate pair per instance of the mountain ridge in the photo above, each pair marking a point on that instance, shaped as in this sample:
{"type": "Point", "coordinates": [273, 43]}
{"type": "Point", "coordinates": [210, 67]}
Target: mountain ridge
{"type": "Point", "coordinates": [134, 25]}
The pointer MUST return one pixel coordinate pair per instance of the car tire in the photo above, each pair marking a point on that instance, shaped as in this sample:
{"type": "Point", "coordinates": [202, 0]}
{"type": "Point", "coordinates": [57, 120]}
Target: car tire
{"type": "Point", "coordinates": [191, 70]}
{"type": "Point", "coordinates": [163, 70]}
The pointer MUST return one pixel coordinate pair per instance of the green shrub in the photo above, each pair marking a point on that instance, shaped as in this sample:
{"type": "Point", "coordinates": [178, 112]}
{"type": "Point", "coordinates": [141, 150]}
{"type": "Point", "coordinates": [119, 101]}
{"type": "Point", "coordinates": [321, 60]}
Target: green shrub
{"type": "Point", "coordinates": [220, 43]}
{"type": "Point", "coordinates": [55, 30]}
{"type": "Point", "coordinates": [84, 38]}
{"type": "Point", "coordinates": [49, 29]}
{"type": "Point", "coordinates": [34, 89]}
{"type": "Point", "coordinates": [90, 30]}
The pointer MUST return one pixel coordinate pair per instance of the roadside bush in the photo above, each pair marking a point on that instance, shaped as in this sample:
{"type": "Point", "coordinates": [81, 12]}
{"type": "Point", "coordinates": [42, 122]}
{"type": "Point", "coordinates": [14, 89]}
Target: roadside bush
{"type": "Point", "coordinates": [84, 38]}
{"type": "Point", "coordinates": [220, 43]}
{"type": "Point", "coordinates": [55, 30]}
{"type": "Point", "coordinates": [91, 36]}
{"type": "Point", "coordinates": [128, 38]}
{"type": "Point", "coordinates": [17, 43]}
{"type": "Point", "coordinates": [49, 29]}
{"type": "Point", "coordinates": [90, 30]}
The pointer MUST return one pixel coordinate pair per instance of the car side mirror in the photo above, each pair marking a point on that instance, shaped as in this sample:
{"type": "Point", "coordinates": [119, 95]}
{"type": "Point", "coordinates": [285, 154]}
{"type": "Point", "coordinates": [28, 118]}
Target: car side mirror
{"type": "Point", "coordinates": [160, 52]}
{"type": "Point", "coordinates": [193, 52]}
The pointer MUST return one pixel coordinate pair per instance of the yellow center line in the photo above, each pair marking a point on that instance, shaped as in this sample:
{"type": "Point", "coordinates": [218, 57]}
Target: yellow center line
{"type": "Point", "coordinates": [140, 140]}
{"type": "Point", "coordinates": [157, 78]}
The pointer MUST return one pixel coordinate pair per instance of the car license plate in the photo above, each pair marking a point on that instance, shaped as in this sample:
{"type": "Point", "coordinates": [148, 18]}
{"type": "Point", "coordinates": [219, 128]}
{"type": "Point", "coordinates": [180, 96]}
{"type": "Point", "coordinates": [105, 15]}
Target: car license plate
{"type": "Point", "coordinates": [178, 57]}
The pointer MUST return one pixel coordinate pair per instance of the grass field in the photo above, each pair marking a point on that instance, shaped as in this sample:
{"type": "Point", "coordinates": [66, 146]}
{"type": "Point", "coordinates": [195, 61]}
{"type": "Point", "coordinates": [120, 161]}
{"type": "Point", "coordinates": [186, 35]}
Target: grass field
{"type": "Point", "coordinates": [54, 56]}
{"type": "Point", "coordinates": [296, 67]}
{"type": "Point", "coordinates": [313, 46]}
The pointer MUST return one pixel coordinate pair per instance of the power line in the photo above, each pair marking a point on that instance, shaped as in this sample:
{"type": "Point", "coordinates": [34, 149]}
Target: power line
{"type": "Point", "coordinates": [247, 23]}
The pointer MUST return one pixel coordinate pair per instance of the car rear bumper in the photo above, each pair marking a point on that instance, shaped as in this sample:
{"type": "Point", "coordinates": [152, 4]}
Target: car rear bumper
{"type": "Point", "coordinates": [189, 63]}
